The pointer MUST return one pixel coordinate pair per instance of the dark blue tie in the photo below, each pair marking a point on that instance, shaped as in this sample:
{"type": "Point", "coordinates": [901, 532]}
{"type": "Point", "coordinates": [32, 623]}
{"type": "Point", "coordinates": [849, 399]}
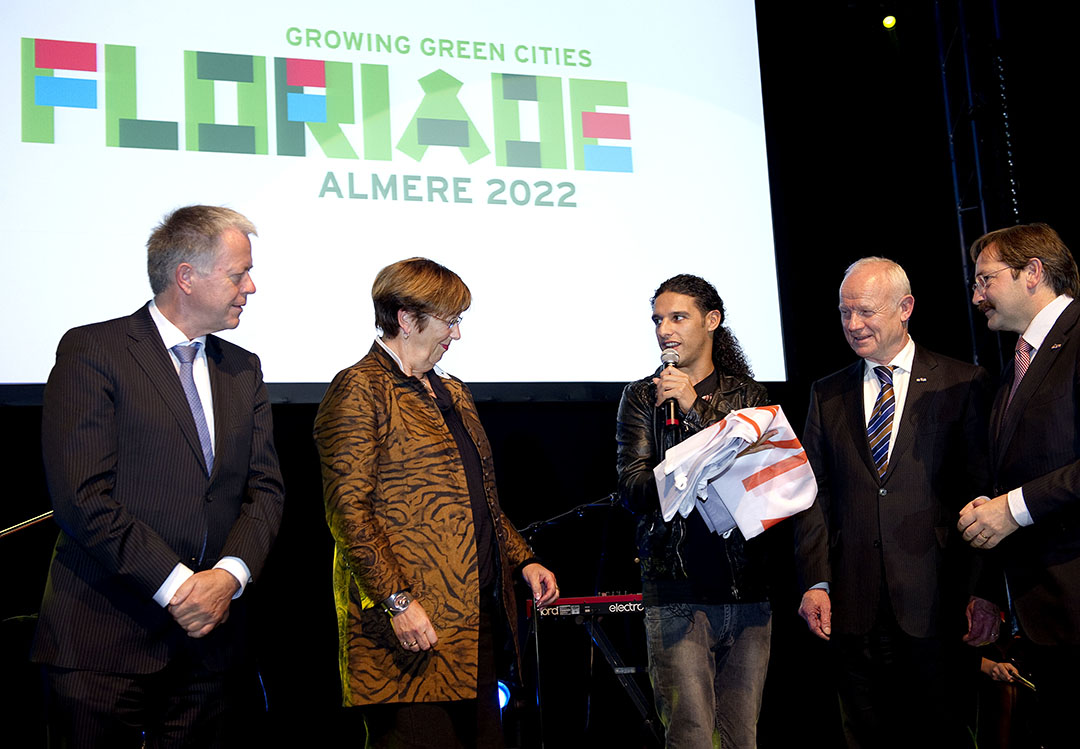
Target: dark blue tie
{"type": "Point", "coordinates": [879, 430]}
{"type": "Point", "coordinates": [186, 355]}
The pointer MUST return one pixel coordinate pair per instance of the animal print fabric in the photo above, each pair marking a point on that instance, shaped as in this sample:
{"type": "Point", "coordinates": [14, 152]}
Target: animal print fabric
{"type": "Point", "coordinates": [397, 504]}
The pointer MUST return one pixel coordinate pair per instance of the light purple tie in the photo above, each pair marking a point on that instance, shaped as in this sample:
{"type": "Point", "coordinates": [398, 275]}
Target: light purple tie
{"type": "Point", "coordinates": [186, 355]}
{"type": "Point", "coordinates": [1020, 366]}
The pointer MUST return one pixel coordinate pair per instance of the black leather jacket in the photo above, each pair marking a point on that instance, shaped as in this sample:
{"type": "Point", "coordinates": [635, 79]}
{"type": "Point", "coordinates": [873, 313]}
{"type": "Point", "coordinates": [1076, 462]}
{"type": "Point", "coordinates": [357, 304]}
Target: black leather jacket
{"type": "Point", "coordinates": [639, 432]}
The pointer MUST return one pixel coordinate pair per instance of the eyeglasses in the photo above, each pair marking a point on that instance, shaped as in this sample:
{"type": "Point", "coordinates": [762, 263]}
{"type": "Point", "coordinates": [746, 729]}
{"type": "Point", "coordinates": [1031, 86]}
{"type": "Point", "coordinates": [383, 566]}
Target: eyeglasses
{"type": "Point", "coordinates": [983, 280]}
{"type": "Point", "coordinates": [451, 324]}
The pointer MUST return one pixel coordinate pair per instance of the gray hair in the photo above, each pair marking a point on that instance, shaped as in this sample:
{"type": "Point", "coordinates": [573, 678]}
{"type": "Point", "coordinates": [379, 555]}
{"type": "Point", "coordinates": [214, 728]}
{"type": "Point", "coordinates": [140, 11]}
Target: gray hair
{"type": "Point", "coordinates": [895, 275]}
{"type": "Point", "coordinates": [189, 235]}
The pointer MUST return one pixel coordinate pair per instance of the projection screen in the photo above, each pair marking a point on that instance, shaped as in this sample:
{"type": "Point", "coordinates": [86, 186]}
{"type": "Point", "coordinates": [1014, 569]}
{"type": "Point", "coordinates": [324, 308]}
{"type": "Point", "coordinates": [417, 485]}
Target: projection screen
{"type": "Point", "coordinates": [562, 157]}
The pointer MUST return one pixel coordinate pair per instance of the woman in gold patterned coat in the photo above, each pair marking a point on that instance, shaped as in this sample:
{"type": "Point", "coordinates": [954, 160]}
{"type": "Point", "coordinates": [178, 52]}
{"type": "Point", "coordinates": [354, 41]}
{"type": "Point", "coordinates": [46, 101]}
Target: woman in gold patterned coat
{"type": "Point", "coordinates": [424, 557]}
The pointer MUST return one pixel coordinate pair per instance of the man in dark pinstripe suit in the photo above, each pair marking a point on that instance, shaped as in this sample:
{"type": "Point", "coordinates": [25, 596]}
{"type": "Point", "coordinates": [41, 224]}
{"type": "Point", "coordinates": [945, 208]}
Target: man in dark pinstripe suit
{"type": "Point", "coordinates": [165, 483]}
{"type": "Point", "coordinates": [883, 571]}
{"type": "Point", "coordinates": [1027, 282]}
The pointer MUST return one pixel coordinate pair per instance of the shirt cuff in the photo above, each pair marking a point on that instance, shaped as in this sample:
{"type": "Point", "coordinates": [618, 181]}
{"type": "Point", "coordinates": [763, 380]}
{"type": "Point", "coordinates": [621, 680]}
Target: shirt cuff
{"type": "Point", "coordinates": [1018, 507]}
{"type": "Point", "coordinates": [235, 566]}
{"type": "Point", "coordinates": [820, 586]}
{"type": "Point", "coordinates": [180, 573]}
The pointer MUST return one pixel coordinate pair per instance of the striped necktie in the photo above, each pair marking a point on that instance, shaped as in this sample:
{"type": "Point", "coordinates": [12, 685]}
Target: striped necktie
{"type": "Point", "coordinates": [1021, 362]}
{"type": "Point", "coordinates": [879, 429]}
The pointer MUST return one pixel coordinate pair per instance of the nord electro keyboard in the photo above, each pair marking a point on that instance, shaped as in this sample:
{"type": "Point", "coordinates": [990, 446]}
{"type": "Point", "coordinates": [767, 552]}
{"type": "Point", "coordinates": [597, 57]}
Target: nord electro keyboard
{"type": "Point", "coordinates": [629, 603]}
{"type": "Point", "coordinates": [588, 611]}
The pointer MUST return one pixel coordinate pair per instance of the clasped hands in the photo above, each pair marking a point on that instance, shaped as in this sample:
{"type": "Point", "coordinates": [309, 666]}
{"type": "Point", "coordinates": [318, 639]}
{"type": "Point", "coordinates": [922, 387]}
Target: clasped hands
{"type": "Point", "coordinates": [201, 603]}
{"type": "Point", "coordinates": [986, 522]}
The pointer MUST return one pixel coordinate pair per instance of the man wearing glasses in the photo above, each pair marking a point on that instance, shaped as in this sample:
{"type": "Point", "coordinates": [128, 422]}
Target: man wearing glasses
{"type": "Point", "coordinates": [1025, 282]}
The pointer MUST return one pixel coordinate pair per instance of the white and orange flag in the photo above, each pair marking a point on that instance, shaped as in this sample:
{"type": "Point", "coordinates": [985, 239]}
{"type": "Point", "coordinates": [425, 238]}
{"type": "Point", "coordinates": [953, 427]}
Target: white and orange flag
{"type": "Point", "coordinates": [753, 491]}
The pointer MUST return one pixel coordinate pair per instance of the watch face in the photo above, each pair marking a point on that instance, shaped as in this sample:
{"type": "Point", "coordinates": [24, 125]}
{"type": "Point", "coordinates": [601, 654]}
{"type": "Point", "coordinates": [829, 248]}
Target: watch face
{"type": "Point", "coordinates": [401, 600]}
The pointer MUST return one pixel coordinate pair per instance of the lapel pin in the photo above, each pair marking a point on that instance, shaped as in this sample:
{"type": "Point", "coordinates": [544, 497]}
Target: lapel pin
{"type": "Point", "coordinates": [920, 379]}
{"type": "Point", "coordinates": [1056, 345]}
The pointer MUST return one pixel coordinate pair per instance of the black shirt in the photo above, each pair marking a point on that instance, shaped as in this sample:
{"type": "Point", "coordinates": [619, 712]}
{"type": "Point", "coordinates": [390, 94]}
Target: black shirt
{"type": "Point", "coordinates": [709, 578]}
{"type": "Point", "coordinates": [474, 477]}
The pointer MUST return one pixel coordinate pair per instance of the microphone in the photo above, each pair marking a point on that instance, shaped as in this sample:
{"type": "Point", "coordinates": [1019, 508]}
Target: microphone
{"type": "Point", "coordinates": [670, 357]}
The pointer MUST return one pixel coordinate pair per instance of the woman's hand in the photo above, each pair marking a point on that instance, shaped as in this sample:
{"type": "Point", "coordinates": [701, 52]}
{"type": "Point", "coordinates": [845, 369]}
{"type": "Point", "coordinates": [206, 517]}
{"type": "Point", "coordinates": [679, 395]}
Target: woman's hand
{"type": "Point", "coordinates": [413, 628]}
{"type": "Point", "coordinates": [542, 583]}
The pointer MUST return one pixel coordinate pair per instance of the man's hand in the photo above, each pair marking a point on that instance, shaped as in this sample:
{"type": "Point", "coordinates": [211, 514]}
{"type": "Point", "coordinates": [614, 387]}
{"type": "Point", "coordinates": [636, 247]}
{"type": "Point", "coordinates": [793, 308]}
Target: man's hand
{"type": "Point", "coordinates": [542, 583]}
{"type": "Point", "coordinates": [413, 628]}
{"type": "Point", "coordinates": [984, 622]}
{"type": "Point", "coordinates": [1004, 672]}
{"type": "Point", "coordinates": [201, 602]}
{"type": "Point", "coordinates": [986, 522]}
{"type": "Point", "coordinates": [675, 383]}
{"type": "Point", "coordinates": [816, 609]}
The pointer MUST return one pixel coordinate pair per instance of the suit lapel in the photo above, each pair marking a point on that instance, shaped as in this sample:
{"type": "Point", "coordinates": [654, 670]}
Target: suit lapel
{"type": "Point", "coordinates": [149, 353]}
{"type": "Point", "coordinates": [997, 413]}
{"type": "Point", "coordinates": [467, 414]}
{"type": "Point", "coordinates": [920, 388]}
{"type": "Point", "coordinates": [219, 383]}
{"type": "Point", "coordinates": [855, 414]}
{"type": "Point", "coordinates": [1044, 361]}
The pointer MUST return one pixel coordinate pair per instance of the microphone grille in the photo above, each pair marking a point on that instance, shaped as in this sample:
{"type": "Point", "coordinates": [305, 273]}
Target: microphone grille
{"type": "Point", "coordinates": [669, 356]}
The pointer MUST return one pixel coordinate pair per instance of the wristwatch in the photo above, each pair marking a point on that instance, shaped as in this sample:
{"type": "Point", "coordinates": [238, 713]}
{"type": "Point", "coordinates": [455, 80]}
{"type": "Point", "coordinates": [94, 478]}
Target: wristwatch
{"type": "Point", "coordinates": [397, 603]}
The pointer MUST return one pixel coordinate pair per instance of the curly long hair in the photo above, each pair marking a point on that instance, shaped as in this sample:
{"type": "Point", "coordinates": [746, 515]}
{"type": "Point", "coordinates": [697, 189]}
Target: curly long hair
{"type": "Point", "coordinates": [727, 355]}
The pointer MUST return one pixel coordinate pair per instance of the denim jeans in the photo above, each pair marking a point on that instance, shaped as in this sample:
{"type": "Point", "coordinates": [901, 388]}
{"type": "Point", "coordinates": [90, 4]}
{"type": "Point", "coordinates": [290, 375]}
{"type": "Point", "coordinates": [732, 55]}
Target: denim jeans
{"type": "Point", "coordinates": [707, 665]}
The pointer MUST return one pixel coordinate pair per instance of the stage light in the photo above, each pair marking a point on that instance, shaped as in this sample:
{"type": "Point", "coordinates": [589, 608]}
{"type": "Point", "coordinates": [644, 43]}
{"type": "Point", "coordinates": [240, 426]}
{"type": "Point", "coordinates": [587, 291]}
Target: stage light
{"type": "Point", "coordinates": [504, 695]}
{"type": "Point", "coordinates": [888, 21]}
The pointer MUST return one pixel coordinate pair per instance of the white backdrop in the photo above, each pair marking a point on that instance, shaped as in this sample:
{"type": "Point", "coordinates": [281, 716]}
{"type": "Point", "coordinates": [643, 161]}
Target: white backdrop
{"type": "Point", "coordinates": [550, 284]}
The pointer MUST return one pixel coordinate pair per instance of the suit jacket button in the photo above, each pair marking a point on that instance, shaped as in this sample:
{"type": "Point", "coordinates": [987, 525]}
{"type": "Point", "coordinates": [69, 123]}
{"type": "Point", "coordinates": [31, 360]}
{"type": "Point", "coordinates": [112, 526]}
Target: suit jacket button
{"type": "Point", "coordinates": [209, 498]}
{"type": "Point", "coordinates": [877, 543]}
{"type": "Point", "coordinates": [882, 492]}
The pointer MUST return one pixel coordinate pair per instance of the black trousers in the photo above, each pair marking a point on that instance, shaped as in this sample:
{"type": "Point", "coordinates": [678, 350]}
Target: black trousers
{"type": "Point", "coordinates": [1055, 671]}
{"type": "Point", "coordinates": [180, 706]}
{"type": "Point", "coordinates": [901, 691]}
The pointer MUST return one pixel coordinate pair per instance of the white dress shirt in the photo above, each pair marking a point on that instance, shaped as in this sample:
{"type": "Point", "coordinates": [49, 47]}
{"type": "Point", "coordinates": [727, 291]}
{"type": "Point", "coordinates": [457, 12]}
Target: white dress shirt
{"type": "Point", "coordinates": [173, 336]}
{"type": "Point", "coordinates": [901, 364]}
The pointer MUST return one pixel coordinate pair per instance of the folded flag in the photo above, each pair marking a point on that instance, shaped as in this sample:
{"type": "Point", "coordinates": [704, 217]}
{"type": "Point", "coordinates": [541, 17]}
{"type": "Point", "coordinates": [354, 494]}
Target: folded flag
{"type": "Point", "coordinates": [754, 491]}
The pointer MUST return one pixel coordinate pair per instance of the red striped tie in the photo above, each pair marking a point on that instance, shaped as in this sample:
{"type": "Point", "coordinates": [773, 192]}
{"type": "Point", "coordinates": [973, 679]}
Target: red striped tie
{"type": "Point", "coordinates": [1020, 367]}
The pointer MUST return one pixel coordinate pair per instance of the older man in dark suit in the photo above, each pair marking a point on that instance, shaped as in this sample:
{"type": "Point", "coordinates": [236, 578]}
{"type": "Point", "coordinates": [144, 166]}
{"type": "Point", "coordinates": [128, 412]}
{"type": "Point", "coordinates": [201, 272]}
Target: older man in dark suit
{"type": "Point", "coordinates": [159, 455]}
{"type": "Point", "coordinates": [1026, 281]}
{"type": "Point", "coordinates": [892, 439]}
